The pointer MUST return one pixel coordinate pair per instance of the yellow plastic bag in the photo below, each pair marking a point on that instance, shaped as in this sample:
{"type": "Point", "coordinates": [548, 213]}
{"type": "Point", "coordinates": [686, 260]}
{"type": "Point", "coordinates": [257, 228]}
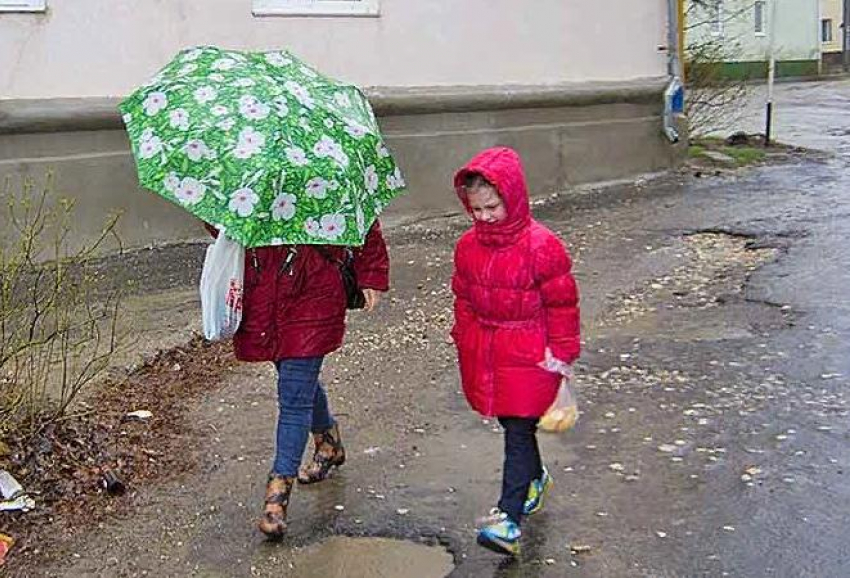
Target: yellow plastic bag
{"type": "Point", "coordinates": [563, 413]}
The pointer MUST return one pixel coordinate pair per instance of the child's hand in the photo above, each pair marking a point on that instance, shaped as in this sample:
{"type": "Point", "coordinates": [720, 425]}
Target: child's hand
{"type": "Point", "coordinates": [555, 365]}
{"type": "Point", "coordinates": [372, 298]}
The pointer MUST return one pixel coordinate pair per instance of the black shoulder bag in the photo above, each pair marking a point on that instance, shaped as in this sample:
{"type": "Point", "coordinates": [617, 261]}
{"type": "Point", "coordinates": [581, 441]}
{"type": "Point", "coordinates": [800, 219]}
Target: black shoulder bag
{"type": "Point", "coordinates": [354, 297]}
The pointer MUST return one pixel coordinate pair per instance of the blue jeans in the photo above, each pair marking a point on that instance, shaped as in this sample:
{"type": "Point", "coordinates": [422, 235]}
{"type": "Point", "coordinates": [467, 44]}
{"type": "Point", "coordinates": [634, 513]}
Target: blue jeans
{"type": "Point", "coordinates": [522, 464]}
{"type": "Point", "coordinates": [302, 408]}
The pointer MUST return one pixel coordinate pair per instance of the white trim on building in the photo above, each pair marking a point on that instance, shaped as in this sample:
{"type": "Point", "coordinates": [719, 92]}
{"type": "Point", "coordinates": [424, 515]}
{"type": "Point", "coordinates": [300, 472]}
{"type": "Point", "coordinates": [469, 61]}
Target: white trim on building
{"type": "Point", "coordinates": [316, 8]}
{"type": "Point", "coordinates": [23, 5]}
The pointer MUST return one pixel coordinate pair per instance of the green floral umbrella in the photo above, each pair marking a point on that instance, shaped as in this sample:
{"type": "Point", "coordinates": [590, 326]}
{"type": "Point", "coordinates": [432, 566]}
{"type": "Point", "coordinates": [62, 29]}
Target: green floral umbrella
{"type": "Point", "coordinates": [262, 146]}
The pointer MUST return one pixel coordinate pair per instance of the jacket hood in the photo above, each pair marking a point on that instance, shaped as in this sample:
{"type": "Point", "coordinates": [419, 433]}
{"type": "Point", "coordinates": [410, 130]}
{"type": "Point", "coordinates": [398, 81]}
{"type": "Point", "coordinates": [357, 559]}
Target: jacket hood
{"type": "Point", "coordinates": [502, 167]}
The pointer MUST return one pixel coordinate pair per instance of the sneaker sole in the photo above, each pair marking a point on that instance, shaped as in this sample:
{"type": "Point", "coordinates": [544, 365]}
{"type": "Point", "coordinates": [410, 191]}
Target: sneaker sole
{"type": "Point", "coordinates": [497, 547]}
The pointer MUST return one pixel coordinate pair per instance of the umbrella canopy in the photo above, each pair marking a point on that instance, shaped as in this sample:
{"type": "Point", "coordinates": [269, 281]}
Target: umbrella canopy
{"type": "Point", "coordinates": [262, 146]}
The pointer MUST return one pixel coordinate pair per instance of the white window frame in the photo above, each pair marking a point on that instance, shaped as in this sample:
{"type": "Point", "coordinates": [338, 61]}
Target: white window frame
{"type": "Point", "coordinates": [823, 29]}
{"type": "Point", "coordinates": [367, 8]}
{"type": "Point", "coordinates": [760, 24]}
{"type": "Point", "coordinates": [23, 5]}
{"type": "Point", "coordinates": [717, 18]}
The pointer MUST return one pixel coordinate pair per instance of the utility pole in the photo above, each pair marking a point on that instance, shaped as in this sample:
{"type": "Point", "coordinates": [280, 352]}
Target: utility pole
{"type": "Point", "coordinates": [771, 72]}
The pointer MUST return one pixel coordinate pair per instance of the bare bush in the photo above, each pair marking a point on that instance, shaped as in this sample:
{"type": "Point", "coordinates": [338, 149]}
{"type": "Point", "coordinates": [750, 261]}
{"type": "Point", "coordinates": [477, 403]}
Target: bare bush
{"type": "Point", "coordinates": [714, 99]}
{"type": "Point", "coordinates": [57, 324]}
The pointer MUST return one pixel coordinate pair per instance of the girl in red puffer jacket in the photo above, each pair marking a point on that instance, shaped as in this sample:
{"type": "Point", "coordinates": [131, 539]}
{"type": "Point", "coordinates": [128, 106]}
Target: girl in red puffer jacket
{"type": "Point", "coordinates": [516, 327]}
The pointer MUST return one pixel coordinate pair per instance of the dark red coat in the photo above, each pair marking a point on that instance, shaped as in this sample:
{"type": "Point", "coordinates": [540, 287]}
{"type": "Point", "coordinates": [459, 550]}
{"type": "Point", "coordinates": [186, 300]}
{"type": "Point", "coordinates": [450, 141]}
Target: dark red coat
{"type": "Point", "coordinates": [302, 314]}
{"type": "Point", "coordinates": [514, 296]}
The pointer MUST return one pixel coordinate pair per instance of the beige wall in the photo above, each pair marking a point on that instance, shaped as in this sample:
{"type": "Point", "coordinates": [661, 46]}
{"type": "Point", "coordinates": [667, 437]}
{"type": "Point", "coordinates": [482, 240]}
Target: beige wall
{"type": "Point", "coordinates": [832, 9]}
{"type": "Point", "coordinates": [107, 47]}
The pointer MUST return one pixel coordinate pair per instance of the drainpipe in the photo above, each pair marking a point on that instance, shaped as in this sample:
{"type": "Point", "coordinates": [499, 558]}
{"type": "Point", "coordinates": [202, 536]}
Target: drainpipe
{"type": "Point", "coordinates": [674, 95]}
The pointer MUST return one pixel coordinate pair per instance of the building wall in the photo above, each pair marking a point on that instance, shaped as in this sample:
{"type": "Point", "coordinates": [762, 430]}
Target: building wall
{"type": "Point", "coordinates": [577, 92]}
{"type": "Point", "coordinates": [105, 48]}
{"type": "Point", "coordinates": [833, 10]}
{"type": "Point", "coordinates": [797, 33]}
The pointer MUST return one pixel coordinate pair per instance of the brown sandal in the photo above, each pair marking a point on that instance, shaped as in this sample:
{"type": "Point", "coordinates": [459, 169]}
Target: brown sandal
{"type": "Point", "coordinates": [329, 454]}
{"type": "Point", "coordinates": [273, 522]}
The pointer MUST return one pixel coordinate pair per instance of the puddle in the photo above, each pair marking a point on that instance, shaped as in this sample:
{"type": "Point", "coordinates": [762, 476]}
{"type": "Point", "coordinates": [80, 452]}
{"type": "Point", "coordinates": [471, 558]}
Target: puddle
{"type": "Point", "coordinates": [343, 557]}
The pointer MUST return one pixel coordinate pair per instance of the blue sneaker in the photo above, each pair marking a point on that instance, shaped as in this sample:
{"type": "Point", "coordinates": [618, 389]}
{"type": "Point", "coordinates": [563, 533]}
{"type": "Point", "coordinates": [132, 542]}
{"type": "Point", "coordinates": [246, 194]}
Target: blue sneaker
{"type": "Point", "coordinates": [499, 533]}
{"type": "Point", "coordinates": [536, 491]}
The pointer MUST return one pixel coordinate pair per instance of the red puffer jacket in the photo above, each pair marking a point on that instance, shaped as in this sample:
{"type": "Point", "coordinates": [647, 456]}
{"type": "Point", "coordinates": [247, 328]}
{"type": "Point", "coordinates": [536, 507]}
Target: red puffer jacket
{"type": "Point", "coordinates": [301, 312]}
{"type": "Point", "coordinates": [514, 297]}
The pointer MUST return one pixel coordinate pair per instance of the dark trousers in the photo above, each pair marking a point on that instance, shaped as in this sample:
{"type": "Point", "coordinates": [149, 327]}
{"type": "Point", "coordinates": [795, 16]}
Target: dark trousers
{"type": "Point", "coordinates": [522, 463]}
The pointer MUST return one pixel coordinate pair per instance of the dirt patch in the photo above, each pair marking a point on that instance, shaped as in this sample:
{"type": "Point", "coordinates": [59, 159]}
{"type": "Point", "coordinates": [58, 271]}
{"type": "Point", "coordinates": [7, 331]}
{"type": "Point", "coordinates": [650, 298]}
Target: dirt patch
{"type": "Point", "coordinates": [63, 466]}
{"type": "Point", "coordinates": [714, 269]}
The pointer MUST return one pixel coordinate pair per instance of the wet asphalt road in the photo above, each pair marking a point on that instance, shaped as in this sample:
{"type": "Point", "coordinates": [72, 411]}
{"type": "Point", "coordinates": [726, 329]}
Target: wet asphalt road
{"type": "Point", "coordinates": [713, 438]}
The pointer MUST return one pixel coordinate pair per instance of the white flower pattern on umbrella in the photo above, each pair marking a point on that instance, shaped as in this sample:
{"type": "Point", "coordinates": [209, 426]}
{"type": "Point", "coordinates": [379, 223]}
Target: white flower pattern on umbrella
{"type": "Point", "coordinates": [278, 59]}
{"type": "Point", "coordinates": [190, 191]}
{"type": "Point", "coordinates": [317, 187]}
{"type": "Point", "coordinates": [205, 94]}
{"type": "Point", "coordinates": [227, 124]}
{"type": "Point", "coordinates": [355, 130]}
{"type": "Point", "coordinates": [155, 102]}
{"type": "Point", "coordinates": [223, 64]}
{"type": "Point", "coordinates": [283, 208]}
{"type": "Point", "coordinates": [342, 99]}
{"type": "Point", "coordinates": [312, 226]}
{"type": "Point", "coordinates": [370, 176]}
{"type": "Point", "coordinates": [253, 109]}
{"type": "Point", "coordinates": [196, 150]}
{"type": "Point", "coordinates": [179, 119]}
{"type": "Point", "coordinates": [211, 103]}
{"type": "Point", "coordinates": [300, 93]}
{"type": "Point", "coordinates": [192, 55]}
{"type": "Point", "coordinates": [188, 69]}
{"type": "Point", "coordinates": [150, 147]}
{"type": "Point", "coordinates": [242, 201]}
{"type": "Point", "coordinates": [171, 182]}
{"type": "Point", "coordinates": [395, 181]}
{"type": "Point", "coordinates": [281, 106]}
{"type": "Point", "coordinates": [333, 226]}
{"type": "Point", "coordinates": [250, 143]}
{"type": "Point", "coordinates": [297, 156]}
{"type": "Point", "coordinates": [328, 147]}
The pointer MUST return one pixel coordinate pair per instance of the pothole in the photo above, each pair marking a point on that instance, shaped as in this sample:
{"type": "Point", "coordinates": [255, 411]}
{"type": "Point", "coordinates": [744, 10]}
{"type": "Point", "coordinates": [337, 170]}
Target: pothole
{"type": "Point", "coordinates": [715, 266]}
{"type": "Point", "coordinates": [344, 557]}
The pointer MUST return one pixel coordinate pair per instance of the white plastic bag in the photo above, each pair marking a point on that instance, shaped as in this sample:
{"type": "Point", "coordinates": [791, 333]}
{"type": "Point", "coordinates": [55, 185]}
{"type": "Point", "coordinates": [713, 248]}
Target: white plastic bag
{"type": "Point", "coordinates": [222, 288]}
{"type": "Point", "coordinates": [563, 413]}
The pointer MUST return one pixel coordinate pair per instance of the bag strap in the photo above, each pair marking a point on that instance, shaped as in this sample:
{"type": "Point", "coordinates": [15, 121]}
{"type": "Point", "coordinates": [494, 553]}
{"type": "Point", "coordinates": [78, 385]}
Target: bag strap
{"type": "Point", "coordinates": [330, 258]}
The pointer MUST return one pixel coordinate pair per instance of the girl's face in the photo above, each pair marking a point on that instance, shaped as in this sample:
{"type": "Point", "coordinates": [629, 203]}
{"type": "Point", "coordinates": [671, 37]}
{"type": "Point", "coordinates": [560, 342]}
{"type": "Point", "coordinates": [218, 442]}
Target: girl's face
{"type": "Point", "coordinates": [487, 205]}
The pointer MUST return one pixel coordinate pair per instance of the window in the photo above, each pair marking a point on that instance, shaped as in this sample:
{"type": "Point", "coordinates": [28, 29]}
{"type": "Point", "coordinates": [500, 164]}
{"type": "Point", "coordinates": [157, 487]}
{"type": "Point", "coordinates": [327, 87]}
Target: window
{"type": "Point", "coordinates": [758, 13]}
{"type": "Point", "coordinates": [316, 8]}
{"type": "Point", "coordinates": [716, 17]}
{"type": "Point", "coordinates": [826, 30]}
{"type": "Point", "coordinates": [23, 5]}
